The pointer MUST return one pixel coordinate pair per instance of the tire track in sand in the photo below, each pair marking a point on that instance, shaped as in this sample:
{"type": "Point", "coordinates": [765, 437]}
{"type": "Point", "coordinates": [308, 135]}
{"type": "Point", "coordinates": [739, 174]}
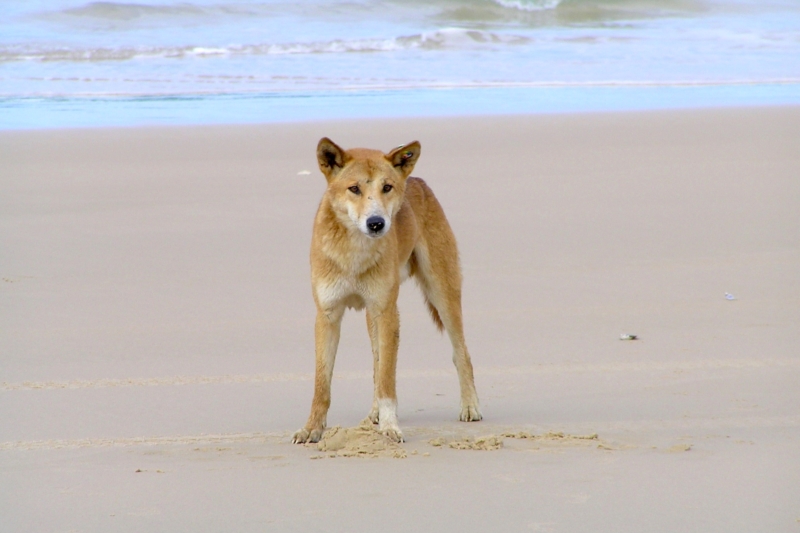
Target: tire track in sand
{"type": "Point", "coordinates": [103, 442]}
{"type": "Point", "coordinates": [643, 366]}
{"type": "Point", "coordinates": [426, 432]}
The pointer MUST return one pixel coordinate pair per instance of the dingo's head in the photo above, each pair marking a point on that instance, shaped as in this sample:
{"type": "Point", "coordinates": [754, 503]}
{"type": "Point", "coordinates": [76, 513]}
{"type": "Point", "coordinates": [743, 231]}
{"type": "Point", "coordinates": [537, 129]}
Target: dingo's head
{"type": "Point", "coordinates": [366, 187]}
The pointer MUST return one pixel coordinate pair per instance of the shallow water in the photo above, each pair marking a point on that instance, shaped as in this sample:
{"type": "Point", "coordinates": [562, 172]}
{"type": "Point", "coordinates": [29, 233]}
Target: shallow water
{"type": "Point", "coordinates": [72, 63]}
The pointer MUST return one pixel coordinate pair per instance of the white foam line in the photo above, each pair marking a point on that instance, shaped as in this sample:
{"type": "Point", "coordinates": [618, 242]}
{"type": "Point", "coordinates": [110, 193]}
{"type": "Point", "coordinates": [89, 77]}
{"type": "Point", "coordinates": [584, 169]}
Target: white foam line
{"type": "Point", "coordinates": [313, 87]}
{"type": "Point", "coordinates": [645, 366]}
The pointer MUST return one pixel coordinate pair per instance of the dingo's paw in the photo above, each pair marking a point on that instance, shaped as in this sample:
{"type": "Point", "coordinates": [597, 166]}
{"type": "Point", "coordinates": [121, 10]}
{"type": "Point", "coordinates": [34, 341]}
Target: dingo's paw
{"type": "Point", "coordinates": [373, 414]}
{"type": "Point", "coordinates": [470, 413]}
{"type": "Point", "coordinates": [303, 435]}
{"type": "Point", "coordinates": [393, 433]}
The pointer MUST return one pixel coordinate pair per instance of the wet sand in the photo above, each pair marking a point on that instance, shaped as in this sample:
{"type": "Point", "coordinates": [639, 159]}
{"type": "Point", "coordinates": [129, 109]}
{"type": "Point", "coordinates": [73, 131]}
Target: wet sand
{"type": "Point", "coordinates": [156, 330]}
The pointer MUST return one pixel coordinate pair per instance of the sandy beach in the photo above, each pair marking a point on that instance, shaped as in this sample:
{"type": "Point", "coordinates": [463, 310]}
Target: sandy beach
{"type": "Point", "coordinates": [156, 329]}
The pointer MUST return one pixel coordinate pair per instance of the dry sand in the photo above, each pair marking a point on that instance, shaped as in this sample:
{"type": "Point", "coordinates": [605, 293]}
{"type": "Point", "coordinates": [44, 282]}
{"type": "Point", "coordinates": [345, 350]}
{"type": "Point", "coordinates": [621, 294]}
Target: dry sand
{"type": "Point", "coordinates": [156, 330]}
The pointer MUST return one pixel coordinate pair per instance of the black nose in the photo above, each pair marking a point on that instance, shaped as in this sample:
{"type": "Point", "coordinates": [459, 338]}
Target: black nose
{"type": "Point", "coordinates": [375, 224]}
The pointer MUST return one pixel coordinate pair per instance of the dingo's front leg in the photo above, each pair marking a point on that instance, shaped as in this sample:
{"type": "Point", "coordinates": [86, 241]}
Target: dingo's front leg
{"type": "Point", "coordinates": [326, 340]}
{"type": "Point", "coordinates": [388, 333]}
{"type": "Point", "coordinates": [372, 329]}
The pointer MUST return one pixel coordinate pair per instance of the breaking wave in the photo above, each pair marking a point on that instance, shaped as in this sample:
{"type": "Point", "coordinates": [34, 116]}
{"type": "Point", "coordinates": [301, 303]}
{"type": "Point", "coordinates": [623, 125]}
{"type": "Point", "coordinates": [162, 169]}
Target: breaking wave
{"type": "Point", "coordinates": [529, 5]}
{"type": "Point", "coordinates": [125, 11]}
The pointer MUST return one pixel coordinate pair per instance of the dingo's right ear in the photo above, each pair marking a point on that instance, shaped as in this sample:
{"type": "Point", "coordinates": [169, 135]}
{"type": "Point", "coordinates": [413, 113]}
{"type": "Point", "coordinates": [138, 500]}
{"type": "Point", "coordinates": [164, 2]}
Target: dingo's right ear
{"type": "Point", "coordinates": [330, 157]}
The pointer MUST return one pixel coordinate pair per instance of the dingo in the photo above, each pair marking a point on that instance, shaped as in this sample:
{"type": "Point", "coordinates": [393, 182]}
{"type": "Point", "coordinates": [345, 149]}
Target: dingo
{"type": "Point", "coordinates": [374, 228]}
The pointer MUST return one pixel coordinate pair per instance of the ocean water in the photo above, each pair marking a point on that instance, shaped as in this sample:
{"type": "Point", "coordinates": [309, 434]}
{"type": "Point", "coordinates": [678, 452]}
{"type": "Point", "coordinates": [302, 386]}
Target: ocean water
{"type": "Point", "coordinates": [66, 63]}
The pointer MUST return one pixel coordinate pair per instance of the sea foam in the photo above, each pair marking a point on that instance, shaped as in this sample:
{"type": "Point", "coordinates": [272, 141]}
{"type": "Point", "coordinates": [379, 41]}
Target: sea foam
{"type": "Point", "coordinates": [529, 5]}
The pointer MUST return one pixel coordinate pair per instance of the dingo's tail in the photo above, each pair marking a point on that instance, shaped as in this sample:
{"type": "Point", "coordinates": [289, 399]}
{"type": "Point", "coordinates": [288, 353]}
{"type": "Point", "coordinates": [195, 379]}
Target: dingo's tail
{"type": "Point", "coordinates": [435, 315]}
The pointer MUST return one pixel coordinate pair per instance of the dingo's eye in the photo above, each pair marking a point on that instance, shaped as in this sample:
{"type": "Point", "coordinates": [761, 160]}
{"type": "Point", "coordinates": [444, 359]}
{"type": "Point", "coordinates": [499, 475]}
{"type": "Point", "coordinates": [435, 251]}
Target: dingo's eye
{"type": "Point", "coordinates": [354, 189]}
{"type": "Point", "coordinates": [387, 188]}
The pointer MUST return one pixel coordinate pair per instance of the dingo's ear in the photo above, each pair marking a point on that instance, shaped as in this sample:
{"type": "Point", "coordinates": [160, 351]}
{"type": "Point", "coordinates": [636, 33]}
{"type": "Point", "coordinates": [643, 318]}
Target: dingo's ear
{"type": "Point", "coordinates": [405, 157]}
{"type": "Point", "coordinates": [330, 157]}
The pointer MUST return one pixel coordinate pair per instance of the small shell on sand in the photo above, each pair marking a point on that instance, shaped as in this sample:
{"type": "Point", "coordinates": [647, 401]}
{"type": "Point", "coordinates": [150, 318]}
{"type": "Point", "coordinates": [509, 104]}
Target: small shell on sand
{"type": "Point", "coordinates": [678, 448]}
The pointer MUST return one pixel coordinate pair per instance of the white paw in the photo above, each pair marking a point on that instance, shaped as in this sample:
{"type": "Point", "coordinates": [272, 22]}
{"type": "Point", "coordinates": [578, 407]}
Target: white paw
{"type": "Point", "coordinates": [470, 413]}
{"type": "Point", "coordinates": [387, 419]}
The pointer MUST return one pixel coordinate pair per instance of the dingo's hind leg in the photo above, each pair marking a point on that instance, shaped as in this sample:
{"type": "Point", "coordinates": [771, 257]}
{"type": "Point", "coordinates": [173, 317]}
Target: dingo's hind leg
{"type": "Point", "coordinates": [439, 277]}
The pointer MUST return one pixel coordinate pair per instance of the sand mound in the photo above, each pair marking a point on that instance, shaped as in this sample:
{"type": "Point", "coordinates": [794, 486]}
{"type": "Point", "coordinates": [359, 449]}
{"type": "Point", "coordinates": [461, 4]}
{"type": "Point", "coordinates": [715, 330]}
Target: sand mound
{"type": "Point", "coordinates": [488, 442]}
{"type": "Point", "coordinates": [495, 442]}
{"type": "Point", "coordinates": [361, 441]}
{"type": "Point", "coordinates": [559, 437]}
{"type": "Point", "coordinates": [554, 440]}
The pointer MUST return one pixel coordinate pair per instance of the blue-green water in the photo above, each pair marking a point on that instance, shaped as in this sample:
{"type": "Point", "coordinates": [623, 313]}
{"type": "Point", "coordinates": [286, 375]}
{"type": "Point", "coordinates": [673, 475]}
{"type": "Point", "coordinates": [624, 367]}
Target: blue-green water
{"type": "Point", "coordinates": [70, 63]}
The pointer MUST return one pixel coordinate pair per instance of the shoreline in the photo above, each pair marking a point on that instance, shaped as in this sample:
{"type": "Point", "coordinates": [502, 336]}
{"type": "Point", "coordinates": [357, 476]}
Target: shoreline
{"type": "Point", "coordinates": [31, 113]}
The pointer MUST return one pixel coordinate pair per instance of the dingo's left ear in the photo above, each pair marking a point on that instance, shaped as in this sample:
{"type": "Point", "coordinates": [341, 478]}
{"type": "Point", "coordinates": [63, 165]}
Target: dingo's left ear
{"type": "Point", "coordinates": [405, 157]}
{"type": "Point", "coordinates": [330, 156]}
